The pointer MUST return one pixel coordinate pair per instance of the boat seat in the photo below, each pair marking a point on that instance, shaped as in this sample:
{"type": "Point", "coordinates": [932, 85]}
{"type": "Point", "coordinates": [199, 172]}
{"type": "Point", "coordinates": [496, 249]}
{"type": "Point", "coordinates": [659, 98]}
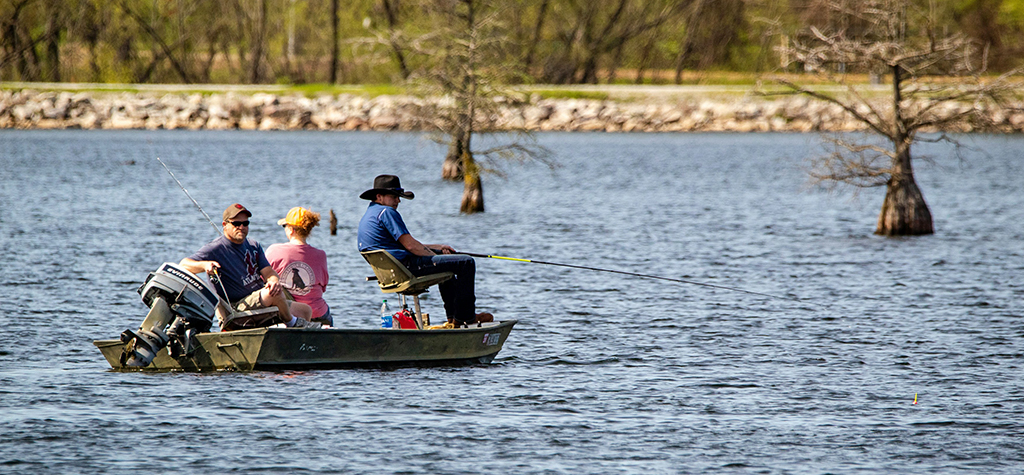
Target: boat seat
{"type": "Point", "coordinates": [260, 317]}
{"type": "Point", "coordinates": [393, 277]}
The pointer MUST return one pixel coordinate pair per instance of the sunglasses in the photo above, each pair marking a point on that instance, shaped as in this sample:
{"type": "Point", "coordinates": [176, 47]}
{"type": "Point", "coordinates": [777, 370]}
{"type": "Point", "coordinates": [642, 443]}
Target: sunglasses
{"type": "Point", "coordinates": [239, 224]}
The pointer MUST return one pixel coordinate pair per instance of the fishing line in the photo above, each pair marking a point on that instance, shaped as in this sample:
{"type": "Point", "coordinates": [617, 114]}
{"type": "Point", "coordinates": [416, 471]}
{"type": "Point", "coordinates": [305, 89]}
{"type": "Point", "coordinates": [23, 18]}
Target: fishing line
{"type": "Point", "coordinates": [634, 274]}
{"type": "Point", "coordinates": [215, 275]}
{"type": "Point", "coordinates": [219, 231]}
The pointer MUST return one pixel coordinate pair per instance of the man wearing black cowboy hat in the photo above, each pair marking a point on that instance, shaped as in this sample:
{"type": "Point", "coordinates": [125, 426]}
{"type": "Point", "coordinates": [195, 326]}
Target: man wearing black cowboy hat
{"type": "Point", "coordinates": [383, 228]}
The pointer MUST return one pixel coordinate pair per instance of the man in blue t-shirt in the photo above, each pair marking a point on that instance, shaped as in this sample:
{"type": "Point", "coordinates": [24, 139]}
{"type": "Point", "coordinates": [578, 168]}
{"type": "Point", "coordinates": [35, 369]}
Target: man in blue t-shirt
{"type": "Point", "coordinates": [243, 270]}
{"type": "Point", "coordinates": [383, 228]}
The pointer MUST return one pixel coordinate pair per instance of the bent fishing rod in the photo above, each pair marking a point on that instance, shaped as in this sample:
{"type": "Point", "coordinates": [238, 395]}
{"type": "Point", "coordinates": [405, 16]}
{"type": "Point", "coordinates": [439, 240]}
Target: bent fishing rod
{"type": "Point", "coordinates": [634, 274]}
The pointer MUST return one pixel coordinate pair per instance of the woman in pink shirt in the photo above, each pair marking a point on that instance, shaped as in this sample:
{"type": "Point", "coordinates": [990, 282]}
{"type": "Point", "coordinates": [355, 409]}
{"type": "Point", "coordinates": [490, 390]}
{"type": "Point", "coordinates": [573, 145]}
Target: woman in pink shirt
{"type": "Point", "coordinates": [303, 268]}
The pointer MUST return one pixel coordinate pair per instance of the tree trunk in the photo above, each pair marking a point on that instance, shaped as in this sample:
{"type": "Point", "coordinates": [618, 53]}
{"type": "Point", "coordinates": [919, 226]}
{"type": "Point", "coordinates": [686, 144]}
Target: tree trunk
{"type": "Point", "coordinates": [904, 211]}
{"type": "Point", "coordinates": [255, 76]}
{"type": "Point", "coordinates": [589, 75]}
{"type": "Point", "coordinates": [683, 59]}
{"type": "Point", "coordinates": [473, 193]}
{"type": "Point", "coordinates": [403, 65]}
{"type": "Point", "coordinates": [207, 65]}
{"type": "Point", "coordinates": [29, 61]}
{"type": "Point", "coordinates": [94, 65]}
{"type": "Point", "coordinates": [53, 32]}
{"type": "Point", "coordinates": [289, 50]}
{"type": "Point", "coordinates": [645, 57]}
{"type": "Point", "coordinates": [391, 14]}
{"type": "Point", "coordinates": [535, 40]}
{"type": "Point", "coordinates": [335, 53]}
{"type": "Point", "coordinates": [459, 162]}
{"type": "Point", "coordinates": [452, 169]}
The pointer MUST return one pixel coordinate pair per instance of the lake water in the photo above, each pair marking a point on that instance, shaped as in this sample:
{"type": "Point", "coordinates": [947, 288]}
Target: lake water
{"type": "Point", "coordinates": [602, 374]}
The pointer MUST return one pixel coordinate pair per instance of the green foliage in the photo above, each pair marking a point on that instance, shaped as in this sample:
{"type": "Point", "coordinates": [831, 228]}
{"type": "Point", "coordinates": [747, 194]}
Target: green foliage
{"type": "Point", "coordinates": [324, 89]}
{"type": "Point", "coordinates": [379, 41]}
{"type": "Point", "coordinates": [570, 94]}
{"type": "Point", "coordinates": [1011, 13]}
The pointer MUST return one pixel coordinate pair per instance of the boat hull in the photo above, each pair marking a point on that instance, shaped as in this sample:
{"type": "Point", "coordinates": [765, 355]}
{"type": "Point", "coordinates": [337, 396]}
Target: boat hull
{"type": "Point", "coordinates": [303, 348]}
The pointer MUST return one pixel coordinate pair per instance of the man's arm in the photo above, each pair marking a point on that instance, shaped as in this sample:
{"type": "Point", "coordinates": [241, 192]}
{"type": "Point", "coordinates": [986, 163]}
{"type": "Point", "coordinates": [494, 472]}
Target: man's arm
{"type": "Point", "coordinates": [440, 248]}
{"type": "Point", "coordinates": [419, 249]}
{"type": "Point", "coordinates": [198, 267]}
{"type": "Point", "coordinates": [273, 281]}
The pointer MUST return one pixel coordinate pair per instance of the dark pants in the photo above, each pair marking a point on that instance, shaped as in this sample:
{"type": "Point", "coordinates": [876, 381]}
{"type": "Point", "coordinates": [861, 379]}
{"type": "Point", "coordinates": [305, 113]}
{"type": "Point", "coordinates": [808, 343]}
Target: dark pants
{"type": "Point", "coordinates": [325, 319]}
{"type": "Point", "coordinates": [457, 293]}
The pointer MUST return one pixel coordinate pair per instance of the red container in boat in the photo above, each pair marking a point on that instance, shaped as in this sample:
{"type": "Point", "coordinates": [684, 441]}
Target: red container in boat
{"type": "Point", "coordinates": [403, 320]}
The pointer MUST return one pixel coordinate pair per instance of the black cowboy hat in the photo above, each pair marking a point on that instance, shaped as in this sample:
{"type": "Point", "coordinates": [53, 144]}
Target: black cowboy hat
{"type": "Point", "coordinates": [386, 185]}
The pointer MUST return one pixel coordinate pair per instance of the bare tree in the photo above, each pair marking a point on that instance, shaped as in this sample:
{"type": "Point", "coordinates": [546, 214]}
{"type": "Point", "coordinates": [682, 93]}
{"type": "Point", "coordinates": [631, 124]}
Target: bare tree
{"type": "Point", "coordinates": [466, 75]}
{"type": "Point", "coordinates": [169, 51]}
{"type": "Point", "coordinates": [396, 27]}
{"type": "Point", "coordinates": [391, 10]}
{"type": "Point", "coordinates": [712, 27]}
{"type": "Point", "coordinates": [535, 37]}
{"type": "Point", "coordinates": [55, 29]}
{"type": "Point", "coordinates": [335, 53]}
{"type": "Point", "coordinates": [258, 42]}
{"type": "Point", "coordinates": [590, 31]}
{"type": "Point", "coordinates": [935, 86]}
{"type": "Point", "coordinates": [18, 44]}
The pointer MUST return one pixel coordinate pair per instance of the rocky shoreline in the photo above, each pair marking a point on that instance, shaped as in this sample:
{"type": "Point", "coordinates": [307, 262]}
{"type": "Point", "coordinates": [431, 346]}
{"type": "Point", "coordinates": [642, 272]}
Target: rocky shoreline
{"type": "Point", "coordinates": [29, 109]}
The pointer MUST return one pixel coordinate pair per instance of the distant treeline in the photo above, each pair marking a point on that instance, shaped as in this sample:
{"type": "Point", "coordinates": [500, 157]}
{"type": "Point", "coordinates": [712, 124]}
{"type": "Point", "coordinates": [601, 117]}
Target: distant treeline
{"type": "Point", "coordinates": [380, 41]}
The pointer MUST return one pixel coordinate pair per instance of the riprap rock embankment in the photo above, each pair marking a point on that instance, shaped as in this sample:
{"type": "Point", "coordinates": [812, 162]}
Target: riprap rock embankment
{"type": "Point", "coordinates": [28, 109]}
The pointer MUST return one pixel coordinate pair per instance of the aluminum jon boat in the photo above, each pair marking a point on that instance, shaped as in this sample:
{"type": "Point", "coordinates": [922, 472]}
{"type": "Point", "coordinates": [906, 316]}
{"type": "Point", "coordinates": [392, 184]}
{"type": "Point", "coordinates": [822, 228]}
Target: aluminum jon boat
{"type": "Point", "coordinates": [305, 348]}
{"type": "Point", "coordinates": [175, 336]}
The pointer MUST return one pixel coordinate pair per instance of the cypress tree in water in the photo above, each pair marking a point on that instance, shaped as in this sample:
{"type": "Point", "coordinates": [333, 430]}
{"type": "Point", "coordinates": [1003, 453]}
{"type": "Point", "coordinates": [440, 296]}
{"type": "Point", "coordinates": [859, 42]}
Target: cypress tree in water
{"type": "Point", "coordinates": [904, 211]}
{"type": "Point", "coordinates": [933, 79]}
{"type": "Point", "coordinates": [473, 193]}
{"type": "Point", "coordinates": [452, 168]}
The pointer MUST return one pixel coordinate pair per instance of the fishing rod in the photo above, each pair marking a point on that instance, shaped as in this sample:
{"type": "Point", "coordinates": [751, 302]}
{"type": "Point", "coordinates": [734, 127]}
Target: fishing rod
{"type": "Point", "coordinates": [217, 229]}
{"type": "Point", "coordinates": [634, 274]}
{"type": "Point", "coordinates": [214, 273]}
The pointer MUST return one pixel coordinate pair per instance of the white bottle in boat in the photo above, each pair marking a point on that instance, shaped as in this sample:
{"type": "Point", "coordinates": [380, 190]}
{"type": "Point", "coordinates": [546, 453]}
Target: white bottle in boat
{"type": "Point", "coordinates": [386, 321]}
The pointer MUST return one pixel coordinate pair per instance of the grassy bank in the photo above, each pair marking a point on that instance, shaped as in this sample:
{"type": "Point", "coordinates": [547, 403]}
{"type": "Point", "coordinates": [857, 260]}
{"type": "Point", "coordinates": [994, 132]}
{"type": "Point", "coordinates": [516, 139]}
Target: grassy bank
{"type": "Point", "coordinates": [612, 92]}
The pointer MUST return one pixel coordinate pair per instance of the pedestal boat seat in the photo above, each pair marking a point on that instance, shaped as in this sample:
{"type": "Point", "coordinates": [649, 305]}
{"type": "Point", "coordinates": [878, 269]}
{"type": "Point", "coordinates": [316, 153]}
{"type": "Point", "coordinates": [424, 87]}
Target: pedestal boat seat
{"type": "Point", "coordinates": [393, 277]}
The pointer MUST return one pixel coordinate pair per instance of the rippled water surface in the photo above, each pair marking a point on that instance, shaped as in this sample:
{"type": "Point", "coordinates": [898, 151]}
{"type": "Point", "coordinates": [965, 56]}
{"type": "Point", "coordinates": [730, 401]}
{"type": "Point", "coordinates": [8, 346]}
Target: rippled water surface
{"type": "Point", "coordinates": [602, 374]}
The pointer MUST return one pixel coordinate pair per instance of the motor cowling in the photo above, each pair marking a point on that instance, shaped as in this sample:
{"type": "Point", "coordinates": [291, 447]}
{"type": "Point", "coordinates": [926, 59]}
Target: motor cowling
{"type": "Point", "coordinates": [175, 297]}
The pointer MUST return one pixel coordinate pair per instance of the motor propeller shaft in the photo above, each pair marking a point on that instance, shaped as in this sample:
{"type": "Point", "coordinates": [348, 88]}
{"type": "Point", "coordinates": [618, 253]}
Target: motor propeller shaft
{"type": "Point", "coordinates": [141, 346]}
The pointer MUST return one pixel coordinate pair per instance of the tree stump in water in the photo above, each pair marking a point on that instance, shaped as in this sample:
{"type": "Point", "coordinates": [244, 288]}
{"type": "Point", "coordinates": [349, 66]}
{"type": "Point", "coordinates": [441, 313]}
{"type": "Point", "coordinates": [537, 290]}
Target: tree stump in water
{"type": "Point", "coordinates": [473, 193]}
{"type": "Point", "coordinates": [453, 170]}
{"type": "Point", "coordinates": [473, 197]}
{"type": "Point", "coordinates": [904, 211]}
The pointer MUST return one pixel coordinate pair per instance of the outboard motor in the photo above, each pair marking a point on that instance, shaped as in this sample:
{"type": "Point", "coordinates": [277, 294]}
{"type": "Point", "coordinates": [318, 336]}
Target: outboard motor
{"type": "Point", "coordinates": [177, 297]}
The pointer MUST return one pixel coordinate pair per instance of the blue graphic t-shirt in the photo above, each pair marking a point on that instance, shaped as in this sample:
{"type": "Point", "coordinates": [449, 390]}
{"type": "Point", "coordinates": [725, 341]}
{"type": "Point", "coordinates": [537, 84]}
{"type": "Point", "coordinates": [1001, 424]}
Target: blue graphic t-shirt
{"type": "Point", "coordinates": [240, 265]}
{"type": "Point", "coordinates": [380, 228]}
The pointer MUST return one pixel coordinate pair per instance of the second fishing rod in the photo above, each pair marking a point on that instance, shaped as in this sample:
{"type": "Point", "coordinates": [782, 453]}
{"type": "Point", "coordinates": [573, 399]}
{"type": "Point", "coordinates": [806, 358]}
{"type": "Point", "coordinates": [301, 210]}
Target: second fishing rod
{"type": "Point", "coordinates": [633, 274]}
{"type": "Point", "coordinates": [531, 261]}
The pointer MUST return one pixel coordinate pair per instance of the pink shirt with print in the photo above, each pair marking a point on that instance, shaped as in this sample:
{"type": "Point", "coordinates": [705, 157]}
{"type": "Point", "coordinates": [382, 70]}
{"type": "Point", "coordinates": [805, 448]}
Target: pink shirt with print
{"type": "Point", "coordinates": [303, 271]}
